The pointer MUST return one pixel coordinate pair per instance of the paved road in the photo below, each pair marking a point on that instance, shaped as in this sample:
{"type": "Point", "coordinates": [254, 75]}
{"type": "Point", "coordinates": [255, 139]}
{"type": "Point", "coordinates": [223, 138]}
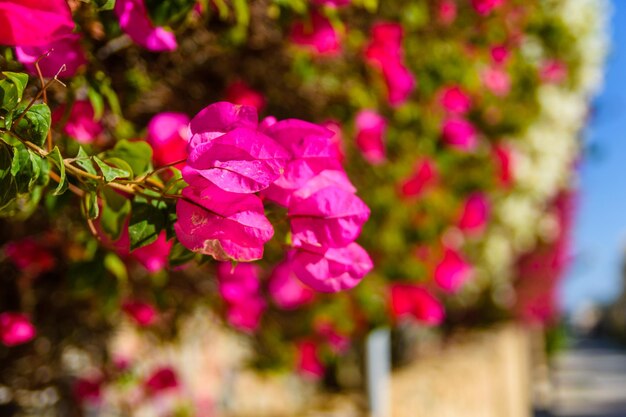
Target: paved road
{"type": "Point", "coordinates": [590, 381]}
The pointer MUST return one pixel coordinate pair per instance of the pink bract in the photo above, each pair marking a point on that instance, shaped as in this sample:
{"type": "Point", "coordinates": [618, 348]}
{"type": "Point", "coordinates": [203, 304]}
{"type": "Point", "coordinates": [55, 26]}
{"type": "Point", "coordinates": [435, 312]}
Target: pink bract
{"type": "Point", "coordinates": [446, 12]}
{"type": "Point", "coordinates": [454, 100]}
{"type": "Point", "coordinates": [400, 82]}
{"type": "Point", "coordinates": [154, 256]}
{"type": "Point", "coordinates": [424, 174]}
{"type": "Point", "coordinates": [370, 132]}
{"type": "Point", "coordinates": [168, 134]}
{"type": "Point", "coordinates": [485, 7]}
{"type": "Point", "coordinates": [246, 315]}
{"type": "Point", "coordinates": [416, 301]}
{"type": "Point", "coordinates": [15, 329]}
{"type": "Point", "coordinates": [220, 118]}
{"type": "Point", "coordinates": [333, 269]}
{"type": "Point", "coordinates": [308, 362]}
{"type": "Point", "coordinates": [338, 342]}
{"type": "Point", "coordinates": [81, 124]}
{"type": "Point", "coordinates": [135, 22]}
{"type": "Point", "coordinates": [460, 134]}
{"type": "Point", "coordinates": [64, 50]}
{"type": "Point", "coordinates": [452, 272]}
{"type": "Point", "coordinates": [503, 159]}
{"type": "Point", "coordinates": [553, 71]}
{"type": "Point", "coordinates": [332, 3]}
{"type": "Point", "coordinates": [238, 283]}
{"type": "Point", "coordinates": [286, 290]}
{"type": "Point", "coordinates": [475, 213]}
{"type": "Point", "coordinates": [21, 21]}
{"type": "Point", "coordinates": [239, 92]}
{"type": "Point", "coordinates": [88, 389]}
{"type": "Point", "coordinates": [318, 35]}
{"type": "Point", "coordinates": [227, 226]}
{"type": "Point", "coordinates": [499, 54]}
{"type": "Point", "coordinates": [496, 80]}
{"type": "Point", "coordinates": [142, 313]}
{"type": "Point", "coordinates": [161, 379]}
{"type": "Point", "coordinates": [29, 255]}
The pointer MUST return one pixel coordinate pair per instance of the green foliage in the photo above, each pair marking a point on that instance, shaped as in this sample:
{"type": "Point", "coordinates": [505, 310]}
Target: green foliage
{"type": "Point", "coordinates": [35, 124]}
{"type": "Point", "coordinates": [147, 219]}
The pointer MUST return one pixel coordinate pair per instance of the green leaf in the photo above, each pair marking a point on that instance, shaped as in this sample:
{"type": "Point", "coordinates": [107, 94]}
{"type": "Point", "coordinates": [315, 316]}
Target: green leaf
{"type": "Point", "coordinates": [137, 154]}
{"type": "Point", "coordinates": [105, 4]}
{"type": "Point", "coordinates": [57, 159]}
{"type": "Point", "coordinates": [35, 124]}
{"type": "Point", "coordinates": [179, 255]}
{"type": "Point", "coordinates": [115, 211]}
{"type": "Point", "coordinates": [146, 222]}
{"type": "Point", "coordinates": [97, 102]}
{"type": "Point", "coordinates": [116, 267]}
{"type": "Point", "coordinates": [12, 89]}
{"type": "Point", "coordinates": [90, 205]}
{"type": "Point", "coordinates": [85, 162]}
{"type": "Point", "coordinates": [8, 187]}
{"type": "Point", "coordinates": [109, 172]}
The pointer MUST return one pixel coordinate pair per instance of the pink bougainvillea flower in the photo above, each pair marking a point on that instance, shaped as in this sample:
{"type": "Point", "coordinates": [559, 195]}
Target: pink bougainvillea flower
{"type": "Point", "coordinates": [553, 71]}
{"type": "Point", "coordinates": [460, 134]}
{"type": "Point", "coordinates": [337, 139]}
{"type": "Point", "coordinates": [168, 134]}
{"type": "Point", "coordinates": [219, 118]}
{"type": "Point", "coordinates": [142, 313]}
{"type": "Point", "coordinates": [33, 22]}
{"type": "Point", "coordinates": [317, 35]}
{"type": "Point", "coordinates": [330, 217]}
{"type": "Point", "coordinates": [240, 161]}
{"type": "Point", "coordinates": [88, 389]}
{"type": "Point", "coordinates": [454, 100]}
{"type": "Point", "coordinates": [452, 271]}
{"type": "Point", "coordinates": [499, 53]}
{"type": "Point", "coordinates": [238, 283]}
{"type": "Point", "coordinates": [135, 22]}
{"type": "Point", "coordinates": [475, 213]}
{"type": "Point", "coordinates": [15, 329]}
{"type": "Point", "coordinates": [331, 3]}
{"type": "Point", "coordinates": [446, 12]}
{"type": "Point", "coordinates": [308, 362]}
{"type": "Point", "coordinates": [333, 269]}
{"type": "Point", "coordinates": [30, 256]}
{"type": "Point", "coordinates": [338, 342]}
{"type": "Point", "coordinates": [154, 256]}
{"type": "Point", "coordinates": [239, 92]}
{"type": "Point", "coordinates": [303, 139]}
{"type": "Point", "coordinates": [485, 7]}
{"type": "Point", "coordinates": [496, 80]}
{"type": "Point", "coordinates": [503, 159]}
{"type": "Point", "coordinates": [160, 380]}
{"type": "Point", "coordinates": [286, 290]}
{"type": "Point", "coordinates": [400, 82]}
{"type": "Point", "coordinates": [227, 226]}
{"type": "Point", "coordinates": [62, 51]}
{"type": "Point", "coordinates": [410, 300]}
{"type": "Point", "coordinates": [246, 315]}
{"type": "Point", "coordinates": [370, 133]}
{"type": "Point", "coordinates": [424, 174]}
{"type": "Point", "coordinates": [80, 124]}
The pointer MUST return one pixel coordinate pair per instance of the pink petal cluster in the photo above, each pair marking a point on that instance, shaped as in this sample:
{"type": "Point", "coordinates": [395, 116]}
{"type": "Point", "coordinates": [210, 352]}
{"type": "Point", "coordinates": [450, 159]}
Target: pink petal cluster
{"type": "Point", "coordinates": [142, 313]}
{"type": "Point", "coordinates": [239, 92]}
{"type": "Point", "coordinates": [500, 53]}
{"type": "Point", "coordinates": [454, 100]}
{"type": "Point", "coordinates": [286, 290]}
{"type": "Point", "coordinates": [168, 134]}
{"type": "Point", "coordinates": [553, 71]}
{"type": "Point", "coordinates": [475, 213]}
{"type": "Point", "coordinates": [485, 7]}
{"type": "Point", "coordinates": [496, 80]}
{"type": "Point", "coordinates": [384, 52]}
{"type": "Point", "coordinates": [239, 287]}
{"type": "Point", "coordinates": [424, 174]}
{"type": "Point", "coordinates": [317, 35]}
{"type": "Point", "coordinates": [415, 301]}
{"type": "Point", "coordinates": [63, 56]}
{"type": "Point", "coordinates": [160, 380]}
{"type": "Point", "coordinates": [446, 12]}
{"type": "Point", "coordinates": [135, 22]}
{"type": "Point", "coordinates": [30, 256]}
{"type": "Point", "coordinates": [370, 135]}
{"type": "Point", "coordinates": [452, 271]}
{"type": "Point", "coordinates": [331, 3]}
{"type": "Point", "coordinates": [15, 329]}
{"type": "Point", "coordinates": [460, 134]}
{"type": "Point", "coordinates": [309, 363]}
{"type": "Point", "coordinates": [503, 158]}
{"type": "Point", "coordinates": [33, 22]}
{"type": "Point", "coordinates": [81, 123]}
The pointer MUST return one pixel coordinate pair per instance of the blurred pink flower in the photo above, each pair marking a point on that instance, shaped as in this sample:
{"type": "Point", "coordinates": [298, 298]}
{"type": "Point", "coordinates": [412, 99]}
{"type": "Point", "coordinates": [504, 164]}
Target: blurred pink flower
{"type": "Point", "coordinates": [332, 3]}
{"type": "Point", "coordinates": [15, 329]}
{"type": "Point", "coordinates": [33, 22]}
{"type": "Point", "coordinates": [424, 174]}
{"type": "Point", "coordinates": [308, 362]}
{"type": "Point", "coordinates": [286, 290]}
{"type": "Point", "coordinates": [30, 256]}
{"type": "Point", "coordinates": [454, 100]}
{"type": "Point", "coordinates": [218, 119]}
{"type": "Point", "coordinates": [142, 313]}
{"type": "Point", "coordinates": [503, 159]}
{"type": "Point", "coordinates": [496, 80]}
{"type": "Point", "coordinates": [168, 134]}
{"type": "Point", "coordinates": [239, 92]}
{"type": "Point", "coordinates": [553, 71]}
{"type": "Point", "coordinates": [446, 12]}
{"type": "Point", "coordinates": [318, 35]}
{"type": "Point", "coordinates": [484, 7]}
{"type": "Point", "coordinates": [475, 213]}
{"type": "Point", "coordinates": [370, 133]}
{"type": "Point", "coordinates": [452, 271]}
{"type": "Point", "coordinates": [81, 124]}
{"type": "Point", "coordinates": [415, 301]}
{"type": "Point", "coordinates": [238, 283]}
{"type": "Point", "coordinates": [499, 53]}
{"type": "Point", "coordinates": [459, 134]}
{"type": "Point", "coordinates": [88, 389]}
{"type": "Point", "coordinates": [160, 380]}
{"type": "Point", "coordinates": [154, 257]}
{"type": "Point", "coordinates": [337, 139]}
{"type": "Point", "coordinates": [400, 82]}
{"type": "Point", "coordinates": [63, 50]}
{"type": "Point", "coordinates": [339, 343]}
{"type": "Point", "coordinates": [135, 22]}
{"type": "Point", "coordinates": [246, 315]}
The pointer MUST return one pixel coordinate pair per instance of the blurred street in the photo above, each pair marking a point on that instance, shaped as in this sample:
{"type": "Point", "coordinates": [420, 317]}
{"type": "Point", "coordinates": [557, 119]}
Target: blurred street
{"type": "Point", "coordinates": [590, 381]}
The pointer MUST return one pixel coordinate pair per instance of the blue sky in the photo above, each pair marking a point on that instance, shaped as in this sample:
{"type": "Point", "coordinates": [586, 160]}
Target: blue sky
{"type": "Point", "coordinates": [600, 233]}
